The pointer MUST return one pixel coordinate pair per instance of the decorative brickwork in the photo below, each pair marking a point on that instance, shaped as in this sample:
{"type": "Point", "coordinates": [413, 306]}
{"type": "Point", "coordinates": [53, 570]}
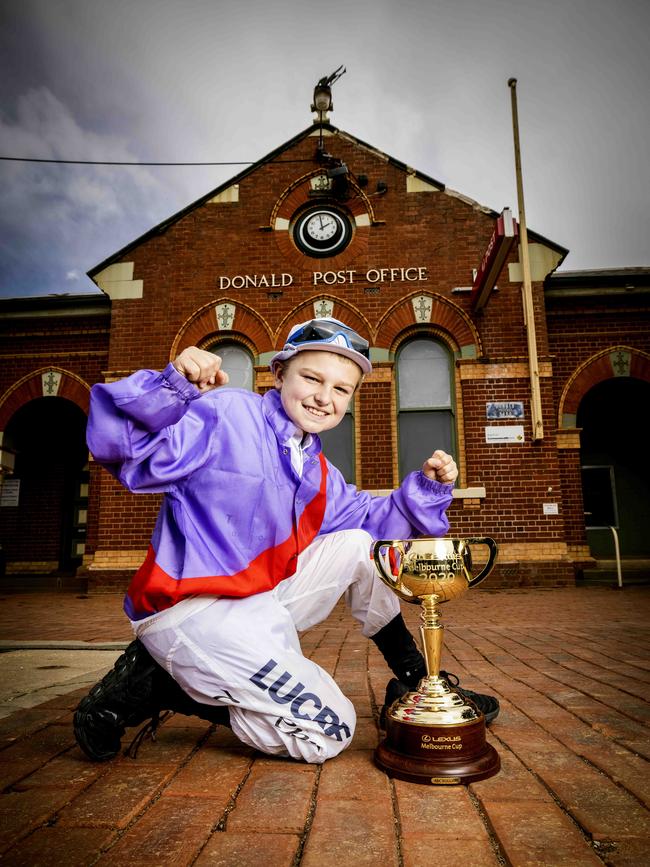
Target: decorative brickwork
{"type": "Point", "coordinates": [608, 363]}
{"type": "Point", "coordinates": [227, 268]}
{"type": "Point", "coordinates": [68, 386]}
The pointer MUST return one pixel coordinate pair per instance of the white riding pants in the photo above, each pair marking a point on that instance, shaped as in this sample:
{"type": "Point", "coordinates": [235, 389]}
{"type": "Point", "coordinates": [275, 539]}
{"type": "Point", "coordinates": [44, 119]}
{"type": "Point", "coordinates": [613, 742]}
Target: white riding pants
{"type": "Point", "coordinates": [245, 653]}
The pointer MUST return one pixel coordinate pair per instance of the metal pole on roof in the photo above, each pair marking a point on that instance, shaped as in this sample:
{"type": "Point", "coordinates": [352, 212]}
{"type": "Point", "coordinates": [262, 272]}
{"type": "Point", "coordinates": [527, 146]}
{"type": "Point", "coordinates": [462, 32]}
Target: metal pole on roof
{"type": "Point", "coordinates": [527, 290]}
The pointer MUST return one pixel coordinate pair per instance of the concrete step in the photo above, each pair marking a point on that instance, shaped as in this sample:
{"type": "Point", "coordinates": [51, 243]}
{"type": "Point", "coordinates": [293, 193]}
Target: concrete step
{"type": "Point", "coordinates": [25, 583]}
{"type": "Point", "coordinates": [634, 571]}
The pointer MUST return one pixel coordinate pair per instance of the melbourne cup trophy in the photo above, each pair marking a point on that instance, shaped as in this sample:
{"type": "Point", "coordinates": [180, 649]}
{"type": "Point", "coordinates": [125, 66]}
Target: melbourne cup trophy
{"type": "Point", "coordinates": [433, 735]}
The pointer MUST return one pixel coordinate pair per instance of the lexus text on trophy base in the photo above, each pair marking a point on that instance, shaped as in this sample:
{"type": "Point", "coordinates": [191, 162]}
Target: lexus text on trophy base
{"type": "Point", "coordinates": [434, 735]}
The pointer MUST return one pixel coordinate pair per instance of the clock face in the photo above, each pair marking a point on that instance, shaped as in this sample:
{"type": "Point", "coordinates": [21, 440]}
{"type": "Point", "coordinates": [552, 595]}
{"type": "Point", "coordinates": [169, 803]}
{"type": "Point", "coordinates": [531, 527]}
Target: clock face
{"type": "Point", "coordinates": [321, 227]}
{"type": "Point", "coordinates": [322, 232]}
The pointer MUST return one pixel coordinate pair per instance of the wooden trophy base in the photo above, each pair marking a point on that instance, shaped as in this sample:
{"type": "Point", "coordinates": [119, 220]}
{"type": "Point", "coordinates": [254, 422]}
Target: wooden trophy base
{"type": "Point", "coordinates": [437, 755]}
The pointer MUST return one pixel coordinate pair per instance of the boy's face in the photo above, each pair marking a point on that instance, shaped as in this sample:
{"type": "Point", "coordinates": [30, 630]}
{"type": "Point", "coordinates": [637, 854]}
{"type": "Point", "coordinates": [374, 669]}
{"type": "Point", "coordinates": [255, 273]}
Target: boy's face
{"type": "Point", "coordinates": [316, 388]}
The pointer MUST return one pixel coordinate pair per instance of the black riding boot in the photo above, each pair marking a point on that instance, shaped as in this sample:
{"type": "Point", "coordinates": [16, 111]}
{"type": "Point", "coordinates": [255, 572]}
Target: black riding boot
{"type": "Point", "coordinates": [400, 651]}
{"type": "Point", "coordinates": [135, 690]}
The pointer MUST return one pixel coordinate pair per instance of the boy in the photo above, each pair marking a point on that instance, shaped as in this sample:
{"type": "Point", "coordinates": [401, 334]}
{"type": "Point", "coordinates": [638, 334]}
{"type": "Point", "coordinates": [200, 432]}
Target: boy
{"type": "Point", "coordinates": [257, 538]}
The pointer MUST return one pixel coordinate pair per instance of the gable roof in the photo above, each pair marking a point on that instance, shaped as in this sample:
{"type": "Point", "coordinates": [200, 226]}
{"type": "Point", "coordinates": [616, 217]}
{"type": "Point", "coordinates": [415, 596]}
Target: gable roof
{"type": "Point", "coordinates": [271, 156]}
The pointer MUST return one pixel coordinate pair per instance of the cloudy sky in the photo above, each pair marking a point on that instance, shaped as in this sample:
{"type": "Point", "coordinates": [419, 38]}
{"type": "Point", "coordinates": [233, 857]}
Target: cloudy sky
{"type": "Point", "coordinates": [230, 80]}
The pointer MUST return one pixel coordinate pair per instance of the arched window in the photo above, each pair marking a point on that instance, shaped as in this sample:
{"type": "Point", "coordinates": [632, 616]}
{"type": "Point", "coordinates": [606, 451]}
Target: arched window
{"type": "Point", "coordinates": [237, 361]}
{"type": "Point", "coordinates": [424, 401]}
{"type": "Point", "coordinates": [338, 445]}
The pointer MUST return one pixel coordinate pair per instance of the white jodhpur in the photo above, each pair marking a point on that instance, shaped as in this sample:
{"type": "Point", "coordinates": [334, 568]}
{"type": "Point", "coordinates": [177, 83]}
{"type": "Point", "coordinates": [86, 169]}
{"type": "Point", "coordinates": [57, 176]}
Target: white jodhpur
{"type": "Point", "coordinates": [245, 653]}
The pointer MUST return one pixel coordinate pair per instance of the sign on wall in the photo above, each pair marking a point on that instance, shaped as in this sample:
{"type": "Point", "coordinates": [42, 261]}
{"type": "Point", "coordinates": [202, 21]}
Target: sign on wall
{"type": "Point", "coordinates": [504, 409]}
{"type": "Point", "coordinates": [9, 492]}
{"type": "Point", "coordinates": [506, 433]}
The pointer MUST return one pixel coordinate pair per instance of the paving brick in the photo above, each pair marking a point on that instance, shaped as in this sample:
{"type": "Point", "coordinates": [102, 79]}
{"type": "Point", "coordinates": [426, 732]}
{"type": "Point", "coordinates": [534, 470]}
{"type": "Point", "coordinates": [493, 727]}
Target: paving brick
{"type": "Point", "coordinates": [276, 798]}
{"type": "Point", "coordinates": [25, 722]}
{"type": "Point", "coordinates": [172, 745]}
{"type": "Point", "coordinates": [246, 849]}
{"type": "Point", "coordinates": [514, 782]}
{"type": "Point", "coordinates": [211, 772]}
{"type": "Point", "coordinates": [351, 682]}
{"type": "Point", "coordinates": [638, 745]}
{"type": "Point", "coordinates": [173, 831]}
{"type": "Point", "coordinates": [426, 848]}
{"type": "Point", "coordinates": [181, 721]}
{"type": "Point", "coordinates": [567, 758]}
{"type": "Point", "coordinates": [448, 809]}
{"type": "Point", "coordinates": [117, 797]}
{"type": "Point", "coordinates": [629, 852]}
{"type": "Point", "coordinates": [43, 745]}
{"type": "Point", "coordinates": [21, 812]}
{"type": "Point", "coordinates": [532, 832]}
{"type": "Point", "coordinates": [353, 775]}
{"type": "Point", "coordinates": [56, 846]}
{"type": "Point", "coordinates": [352, 832]}
{"type": "Point", "coordinates": [362, 705]}
{"type": "Point", "coordinates": [12, 772]}
{"type": "Point", "coordinates": [72, 767]}
{"type": "Point", "coordinates": [624, 768]}
{"type": "Point", "coordinates": [603, 809]}
{"type": "Point", "coordinates": [223, 738]}
{"type": "Point", "coordinates": [365, 735]}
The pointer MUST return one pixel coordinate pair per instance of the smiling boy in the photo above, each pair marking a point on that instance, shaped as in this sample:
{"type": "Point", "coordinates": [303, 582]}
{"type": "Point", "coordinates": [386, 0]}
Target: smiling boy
{"type": "Point", "coordinates": [257, 538]}
{"type": "Point", "coordinates": [316, 389]}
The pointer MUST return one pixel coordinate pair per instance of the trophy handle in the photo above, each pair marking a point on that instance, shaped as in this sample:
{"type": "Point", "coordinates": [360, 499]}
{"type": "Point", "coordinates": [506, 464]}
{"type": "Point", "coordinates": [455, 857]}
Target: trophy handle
{"type": "Point", "coordinates": [485, 571]}
{"type": "Point", "coordinates": [393, 581]}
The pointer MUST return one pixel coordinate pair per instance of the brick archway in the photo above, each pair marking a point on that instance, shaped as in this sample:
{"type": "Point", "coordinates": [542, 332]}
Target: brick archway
{"type": "Point", "coordinates": [342, 310]}
{"type": "Point", "coordinates": [607, 364]}
{"type": "Point", "coordinates": [43, 430]}
{"type": "Point", "coordinates": [443, 314]}
{"type": "Point", "coordinates": [237, 319]}
{"type": "Point", "coordinates": [44, 382]}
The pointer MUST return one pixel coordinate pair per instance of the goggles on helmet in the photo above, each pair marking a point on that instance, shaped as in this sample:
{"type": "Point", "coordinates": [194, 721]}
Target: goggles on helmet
{"type": "Point", "coordinates": [328, 331]}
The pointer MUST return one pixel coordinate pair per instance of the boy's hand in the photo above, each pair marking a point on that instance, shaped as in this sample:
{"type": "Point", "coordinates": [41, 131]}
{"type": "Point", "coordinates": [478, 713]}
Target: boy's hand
{"type": "Point", "coordinates": [201, 367]}
{"type": "Point", "coordinates": [440, 467]}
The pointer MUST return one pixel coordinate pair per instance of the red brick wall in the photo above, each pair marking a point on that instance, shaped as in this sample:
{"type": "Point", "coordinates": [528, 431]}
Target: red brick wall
{"type": "Point", "coordinates": [516, 477]}
{"type": "Point", "coordinates": [33, 341]}
{"type": "Point", "coordinates": [579, 332]}
{"type": "Point", "coordinates": [127, 519]}
{"type": "Point", "coordinates": [582, 333]}
{"type": "Point", "coordinates": [374, 420]}
{"type": "Point", "coordinates": [180, 265]}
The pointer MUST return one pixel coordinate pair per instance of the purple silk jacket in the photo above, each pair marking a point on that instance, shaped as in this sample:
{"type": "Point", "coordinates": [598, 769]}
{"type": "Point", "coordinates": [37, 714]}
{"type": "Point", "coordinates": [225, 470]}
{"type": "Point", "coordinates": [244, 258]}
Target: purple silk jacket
{"type": "Point", "coordinates": [235, 515]}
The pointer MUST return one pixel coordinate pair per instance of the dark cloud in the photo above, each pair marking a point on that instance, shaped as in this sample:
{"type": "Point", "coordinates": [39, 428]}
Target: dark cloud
{"type": "Point", "coordinates": [156, 80]}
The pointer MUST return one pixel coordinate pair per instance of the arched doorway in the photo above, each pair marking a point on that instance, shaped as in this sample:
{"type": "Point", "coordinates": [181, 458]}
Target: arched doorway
{"type": "Point", "coordinates": [45, 531]}
{"type": "Point", "coordinates": [615, 466]}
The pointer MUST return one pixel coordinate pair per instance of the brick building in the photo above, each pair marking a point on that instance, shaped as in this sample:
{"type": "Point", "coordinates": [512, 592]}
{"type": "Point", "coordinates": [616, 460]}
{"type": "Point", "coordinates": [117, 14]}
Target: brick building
{"type": "Point", "coordinates": [327, 224]}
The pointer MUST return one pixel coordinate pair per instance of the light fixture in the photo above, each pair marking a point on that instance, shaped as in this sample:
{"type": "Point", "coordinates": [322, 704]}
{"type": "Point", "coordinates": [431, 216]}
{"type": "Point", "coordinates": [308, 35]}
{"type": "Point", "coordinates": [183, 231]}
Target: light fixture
{"type": "Point", "coordinates": [322, 102]}
{"type": "Point", "coordinates": [338, 175]}
{"type": "Point", "coordinates": [322, 99]}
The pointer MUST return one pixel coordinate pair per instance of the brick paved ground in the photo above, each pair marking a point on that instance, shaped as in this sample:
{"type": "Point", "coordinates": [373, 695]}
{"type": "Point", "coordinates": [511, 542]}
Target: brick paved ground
{"type": "Point", "coordinates": [570, 666]}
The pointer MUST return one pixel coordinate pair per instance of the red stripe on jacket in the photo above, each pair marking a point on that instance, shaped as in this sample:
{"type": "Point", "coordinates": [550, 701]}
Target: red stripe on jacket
{"type": "Point", "coordinates": [152, 589]}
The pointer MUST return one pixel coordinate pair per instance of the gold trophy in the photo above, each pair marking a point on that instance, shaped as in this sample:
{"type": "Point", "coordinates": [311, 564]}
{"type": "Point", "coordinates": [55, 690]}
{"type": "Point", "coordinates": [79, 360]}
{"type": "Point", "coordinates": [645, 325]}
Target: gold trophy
{"type": "Point", "coordinates": [434, 735]}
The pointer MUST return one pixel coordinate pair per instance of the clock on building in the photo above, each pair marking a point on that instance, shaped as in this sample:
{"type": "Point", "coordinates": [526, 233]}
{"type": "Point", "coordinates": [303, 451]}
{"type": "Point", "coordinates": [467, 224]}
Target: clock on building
{"type": "Point", "coordinates": [322, 231]}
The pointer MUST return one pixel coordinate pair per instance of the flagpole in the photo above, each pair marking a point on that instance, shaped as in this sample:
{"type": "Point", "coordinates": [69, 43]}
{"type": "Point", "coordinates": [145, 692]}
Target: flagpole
{"type": "Point", "coordinates": [527, 289]}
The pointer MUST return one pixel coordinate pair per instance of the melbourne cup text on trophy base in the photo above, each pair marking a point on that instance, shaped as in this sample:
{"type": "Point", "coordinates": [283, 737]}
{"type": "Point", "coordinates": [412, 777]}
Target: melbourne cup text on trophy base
{"type": "Point", "coordinates": [433, 734]}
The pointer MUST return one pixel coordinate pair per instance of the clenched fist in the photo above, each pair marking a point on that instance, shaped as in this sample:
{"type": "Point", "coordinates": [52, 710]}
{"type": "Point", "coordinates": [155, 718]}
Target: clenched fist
{"type": "Point", "coordinates": [201, 367]}
{"type": "Point", "coordinates": [441, 467]}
